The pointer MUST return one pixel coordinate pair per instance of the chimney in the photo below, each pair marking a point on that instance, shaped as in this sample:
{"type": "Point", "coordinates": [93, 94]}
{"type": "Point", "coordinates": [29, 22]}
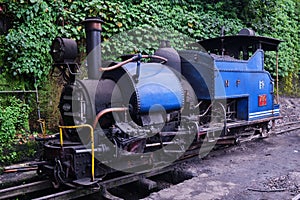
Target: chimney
{"type": "Point", "coordinates": [93, 46]}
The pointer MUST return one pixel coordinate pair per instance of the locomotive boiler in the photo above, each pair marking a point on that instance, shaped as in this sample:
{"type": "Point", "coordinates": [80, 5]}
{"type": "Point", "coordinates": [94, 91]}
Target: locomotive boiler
{"type": "Point", "coordinates": [132, 116]}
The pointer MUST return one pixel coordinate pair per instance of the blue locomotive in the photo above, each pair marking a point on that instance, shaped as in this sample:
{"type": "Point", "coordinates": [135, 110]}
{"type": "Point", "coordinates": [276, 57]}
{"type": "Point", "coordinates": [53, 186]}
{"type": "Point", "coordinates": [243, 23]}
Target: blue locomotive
{"type": "Point", "coordinates": [134, 116]}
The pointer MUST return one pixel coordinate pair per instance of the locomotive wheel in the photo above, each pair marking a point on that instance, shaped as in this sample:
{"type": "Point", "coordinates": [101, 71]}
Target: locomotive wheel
{"type": "Point", "coordinates": [218, 114]}
{"type": "Point", "coordinates": [266, 130]}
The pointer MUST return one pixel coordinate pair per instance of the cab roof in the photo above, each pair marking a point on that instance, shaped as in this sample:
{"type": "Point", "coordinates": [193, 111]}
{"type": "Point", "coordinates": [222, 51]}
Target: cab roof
{"type": "Point", "coordinates": [235, 42]}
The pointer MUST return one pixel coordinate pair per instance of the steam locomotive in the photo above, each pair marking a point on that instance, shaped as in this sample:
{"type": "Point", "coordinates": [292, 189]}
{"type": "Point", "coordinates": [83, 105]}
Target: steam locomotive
{"type": "Point", "coordinates": [147, 111]}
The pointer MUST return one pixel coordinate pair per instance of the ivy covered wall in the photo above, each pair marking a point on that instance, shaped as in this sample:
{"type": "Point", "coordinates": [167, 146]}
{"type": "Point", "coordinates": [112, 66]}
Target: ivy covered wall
{"type": "Point", "coordinates": [24, 50]}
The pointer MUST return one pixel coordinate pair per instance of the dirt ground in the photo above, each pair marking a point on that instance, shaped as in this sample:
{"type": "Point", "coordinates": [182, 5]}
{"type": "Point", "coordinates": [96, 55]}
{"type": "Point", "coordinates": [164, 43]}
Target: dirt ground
{"type": "Point", "coordinates": [267, 169]}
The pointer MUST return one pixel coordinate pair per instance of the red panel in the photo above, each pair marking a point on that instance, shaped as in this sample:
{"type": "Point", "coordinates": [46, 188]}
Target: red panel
{"type": "Point", "coordinates": [262, 100]}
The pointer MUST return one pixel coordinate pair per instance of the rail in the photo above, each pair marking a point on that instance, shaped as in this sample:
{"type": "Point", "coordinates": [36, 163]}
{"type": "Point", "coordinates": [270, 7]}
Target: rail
{"type": "Point", "coordinates": [24, 189]}
{"type": "Point", "coordinates": [92, 143]}
{"type": "Point", "coordinates": [17, 91]}
{"type": "Point", "coordinates": [287, 127]}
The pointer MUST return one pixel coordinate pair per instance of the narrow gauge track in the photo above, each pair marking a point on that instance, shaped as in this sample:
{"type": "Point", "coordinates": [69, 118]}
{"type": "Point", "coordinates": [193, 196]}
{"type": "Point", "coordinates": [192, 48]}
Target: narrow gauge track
{"type": "Point", "coordinates": [286, 127]}
{"type": "Point", "coordinates": [26, 190]}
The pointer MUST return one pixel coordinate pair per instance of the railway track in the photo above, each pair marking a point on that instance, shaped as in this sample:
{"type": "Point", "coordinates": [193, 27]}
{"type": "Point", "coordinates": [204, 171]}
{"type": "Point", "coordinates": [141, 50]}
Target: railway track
{"type": "Point", "coordinates": [20, 190]}
{"type": "Point", "coordinates": [32, 190]}
{"type": "Point", "coordinates": [287, 127]}
{"type": "Point", "coordinates": [40, 190]}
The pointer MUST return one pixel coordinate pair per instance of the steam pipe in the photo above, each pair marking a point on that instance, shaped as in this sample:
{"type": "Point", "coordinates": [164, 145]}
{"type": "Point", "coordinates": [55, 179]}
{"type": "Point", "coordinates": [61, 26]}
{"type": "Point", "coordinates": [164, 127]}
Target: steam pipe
{"type": "Point", "coordinates": [93, 46]}
{"type": "Point", "coordinates": [134, 58]}
{"type": "Point", "coordinates": [108, 110]}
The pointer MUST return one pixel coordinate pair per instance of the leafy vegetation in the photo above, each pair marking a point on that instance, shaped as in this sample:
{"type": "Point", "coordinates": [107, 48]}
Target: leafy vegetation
{"type": "Point", "coordinates": [279, 19]}
{"type": "Point", "coordinates": [24, 50]}
{"type": "Point", "coordinates": [37, 22]}
{"type": "Point", "coordinates": [12, 125]}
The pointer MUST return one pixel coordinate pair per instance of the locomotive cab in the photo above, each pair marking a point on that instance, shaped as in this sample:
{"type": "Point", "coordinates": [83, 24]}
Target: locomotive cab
{"type": "Point", "coordinates": [240, 59]}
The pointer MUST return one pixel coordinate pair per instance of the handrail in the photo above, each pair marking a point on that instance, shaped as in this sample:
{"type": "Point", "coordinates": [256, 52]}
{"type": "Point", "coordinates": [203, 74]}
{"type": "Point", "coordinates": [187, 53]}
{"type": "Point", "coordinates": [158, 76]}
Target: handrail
{"type": "Point", "coordinates": [134, 58]}
{"type": "Point", "coordinates": [92, 143]}
{"type": "Point", "coordinates": [17, 91]}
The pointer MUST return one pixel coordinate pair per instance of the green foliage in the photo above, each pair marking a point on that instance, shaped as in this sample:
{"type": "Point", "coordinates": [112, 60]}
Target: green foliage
{"type": "Point", "coordinates": [291, 85]}
{"type": "Point", "coordinates": [27, 45]}
{"type": "Point", "coordinates": [278, 19]}
{"type": "Point", "coordinates": [13, 120]}
{"type": "Point", "coordinates": [37, 22]}
{"type": "Point", "coordinates": [150, 21]}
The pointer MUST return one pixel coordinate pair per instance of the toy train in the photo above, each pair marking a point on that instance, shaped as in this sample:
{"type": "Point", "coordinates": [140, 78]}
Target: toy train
{"type": "Point", "coordinates": [132, 116]}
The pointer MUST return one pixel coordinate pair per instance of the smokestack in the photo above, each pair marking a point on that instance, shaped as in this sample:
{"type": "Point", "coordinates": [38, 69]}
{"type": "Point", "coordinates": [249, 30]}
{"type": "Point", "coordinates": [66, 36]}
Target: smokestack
{"type": "Point", "coordinates": [93, 46]}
